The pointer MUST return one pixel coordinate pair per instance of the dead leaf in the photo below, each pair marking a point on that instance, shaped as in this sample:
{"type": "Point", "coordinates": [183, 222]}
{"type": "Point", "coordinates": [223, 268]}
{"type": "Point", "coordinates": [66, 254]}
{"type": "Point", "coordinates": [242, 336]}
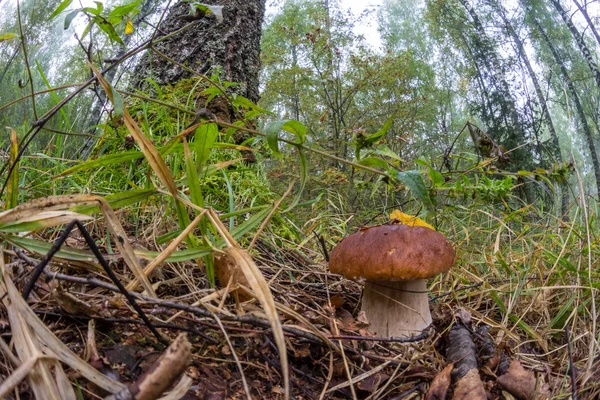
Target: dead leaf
{"type": "Point", "coordinates": [440, 384]}
{"type": "Point", "coordinates": [72, 304]}
{"type": "Point", "coordinates": [469, 387]}
{"type": "Point", "coordinates": [337, 301]}
{"type": "Point", "coordinates": [226, 269]}
{"type": "Point", "coordinates": [521, 383]}
{"type": "Point", "coordinates": [371, 383]}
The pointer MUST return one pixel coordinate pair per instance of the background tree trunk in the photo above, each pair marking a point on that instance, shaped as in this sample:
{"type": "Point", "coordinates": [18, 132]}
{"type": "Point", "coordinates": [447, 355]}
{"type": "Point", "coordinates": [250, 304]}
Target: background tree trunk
{"type": "Point", "coordinates": [232, 46]}
{"type": "Point", "coordinates": [575, 97]}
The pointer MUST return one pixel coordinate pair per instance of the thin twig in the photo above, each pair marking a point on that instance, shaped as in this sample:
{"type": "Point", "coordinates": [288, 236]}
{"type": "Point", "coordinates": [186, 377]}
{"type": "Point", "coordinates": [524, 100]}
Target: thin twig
{"type": "Point", "coordinates": [412, 339]}
{"type": "Point", "coordinates": [234, 354]}
{"type": "Point", "coordinates": [58, 244]}
{"type": "Point", "coordinates": [571, 366]}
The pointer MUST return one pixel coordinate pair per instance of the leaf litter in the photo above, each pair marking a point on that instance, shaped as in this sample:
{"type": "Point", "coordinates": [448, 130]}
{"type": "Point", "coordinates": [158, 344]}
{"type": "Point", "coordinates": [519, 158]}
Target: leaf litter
{"type": "Point", "coordinates": [77, 337]}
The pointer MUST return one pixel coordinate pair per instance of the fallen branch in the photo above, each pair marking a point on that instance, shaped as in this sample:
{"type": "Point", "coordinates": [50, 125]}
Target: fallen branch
{"type": "Point", "coordinates": [162, 375]}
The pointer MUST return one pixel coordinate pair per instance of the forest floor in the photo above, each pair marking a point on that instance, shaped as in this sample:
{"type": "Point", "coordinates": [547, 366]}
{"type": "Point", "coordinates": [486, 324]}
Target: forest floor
{"type": "Point", "coordinates": [470, 352]}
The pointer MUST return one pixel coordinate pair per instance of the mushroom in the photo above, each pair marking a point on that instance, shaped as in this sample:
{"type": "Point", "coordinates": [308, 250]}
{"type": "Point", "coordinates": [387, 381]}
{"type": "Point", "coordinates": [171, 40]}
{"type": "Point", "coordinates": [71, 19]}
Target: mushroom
{"type": "Point", "coordinates": [394, 261]}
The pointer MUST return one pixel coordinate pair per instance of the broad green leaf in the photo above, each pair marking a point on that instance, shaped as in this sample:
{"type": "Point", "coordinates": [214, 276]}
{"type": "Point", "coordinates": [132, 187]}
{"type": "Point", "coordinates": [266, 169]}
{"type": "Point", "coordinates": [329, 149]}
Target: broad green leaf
{"type": "Point", "coordinates": [373, 162]}
{"type": "Point", "coordinates": [272, 131]}
{"type": "Point", "coordinates": [414, 181]}
{"type": "Point", "coordinates": [296, 128]}
{"type": "Point", "coordinates": [525, 173]}
{"type": "Point", "coordinates": [61, 7]}
{"type": "Point", "coordinates": [380, 133]}
{"type": "Point", "coordinates": [7, 36]}
{"type": "Point", "coordinates": [192, 177]}
{"type": "Point", "coordinates": [109, 29]}
{"type": "Point", "coordinates": [121, 11]}
{"type": "Point", "coordinates": [212, 92]}
{"type": "Point", "coordinates": [70, 16]}
{"type": "Point", "coordinates": [87, 28]}
{"type": "Point", "coordinates": [384, 150]}
{"type": "Point", "coordinates": [239, 100]}
{"type": "Point", "coordinates": [436, 177]}
{"type": "Point", "coordinates": [292, 126]}
{"type": "Point", "coordinates": [205, 137]}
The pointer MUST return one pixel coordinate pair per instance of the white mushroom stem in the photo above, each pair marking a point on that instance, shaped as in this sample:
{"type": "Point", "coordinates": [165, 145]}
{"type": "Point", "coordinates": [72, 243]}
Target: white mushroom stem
{"type": "Point", "coordinates": [396, 309]}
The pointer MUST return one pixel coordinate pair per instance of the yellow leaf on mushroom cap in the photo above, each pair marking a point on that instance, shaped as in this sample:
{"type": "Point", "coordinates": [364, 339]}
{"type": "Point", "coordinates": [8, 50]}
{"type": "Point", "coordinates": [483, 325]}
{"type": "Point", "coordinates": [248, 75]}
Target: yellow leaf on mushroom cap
{"type": "Point", "coordinates": [409, 219]}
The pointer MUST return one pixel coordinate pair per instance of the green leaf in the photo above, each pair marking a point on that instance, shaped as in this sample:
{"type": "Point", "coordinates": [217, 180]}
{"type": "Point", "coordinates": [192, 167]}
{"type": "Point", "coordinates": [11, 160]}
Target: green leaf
{"type": "Point", "coordinates": [72, 254]}
{"type": "Point", "coordinates": [42, 220]}
{"type": "Point", "coordinates": [41, 248]}
{"type": "Point", "coordinates": [292, 126]}
{"type": "Point", "coordinates": [525, 173]}
{"type": "Point", "coordinates": [204, 139]}
{"type": "Point", "coordinates": [296, 128]}
{"type": "Point", "coordinates": [384, 150]}
{"type": "Point", "coordinates": [303, 179]}
{"type": "Point", "coordinates": [380, 133]}
{"type": "Point", "coordinates": [109, 29]}
{"type": "Point", "coordinates": [209, 8]}
{"type": "Point", "coordinates": [70, 16]}
{"type": "Point", "coordinates": [560, 319]}
{"type": "Point", "coordinates": [121, 11]}
{"type": "Point", "coordinates": [414, 181]}
{"type": "Point", "coordinates": [373, 162]}
{"type": "Point", "coordinates": [56, 100]}
{"type": "Point", "coordinates": [192, 177]}
{"type": "Point", "coordinates": [104, 161]}
{"type": "Point", "coordinates": [12, 189]}
{"type": "Point", "coordinates": [212, 92]}
{"type": "Point", "coordinates": [272, 131]}
{"type": "Point", "coordinates": [61, 7]}
{"type": "Point", "coordinates": [119, 200]}
{"type": "Point", "coordinates": [87, 29]}
{"type": "Point", "coordinates": [7, 36]}
{"type": "Point", "coordinates": [436, 177]}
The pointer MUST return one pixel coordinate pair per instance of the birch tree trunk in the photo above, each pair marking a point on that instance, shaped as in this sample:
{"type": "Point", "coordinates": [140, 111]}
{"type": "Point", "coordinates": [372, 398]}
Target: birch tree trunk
{"type": "Point", "coordinates": [575, 97]}
{"type": "Point", "coordinates": [587, 54]}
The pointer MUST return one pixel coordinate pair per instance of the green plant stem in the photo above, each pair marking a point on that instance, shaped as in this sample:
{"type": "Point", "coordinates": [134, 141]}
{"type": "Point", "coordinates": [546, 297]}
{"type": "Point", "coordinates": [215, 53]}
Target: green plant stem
{"type": "Point", "coordinates": [301, 146]}
{"type": "Point", "coordinates": [24, 46]}
{"type": "Point", "coordinates": [38, 93]}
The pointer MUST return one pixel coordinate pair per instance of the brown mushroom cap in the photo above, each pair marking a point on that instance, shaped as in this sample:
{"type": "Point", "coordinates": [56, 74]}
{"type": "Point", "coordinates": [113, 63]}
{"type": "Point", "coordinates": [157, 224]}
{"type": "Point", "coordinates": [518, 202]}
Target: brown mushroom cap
{"type": "Point", "coordinates": [392, 253]}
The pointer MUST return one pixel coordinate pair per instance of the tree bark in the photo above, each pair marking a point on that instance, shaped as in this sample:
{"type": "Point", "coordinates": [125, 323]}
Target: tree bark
{"type": "Point", "coordinates": [512, 134]}
{"type": "Point", "coordinates": [231, 46]}
{"type": "Point", "coordinates": [587, 54]}
{"type": "Point", "coordinates": [555, 146]}
{"type": "Point", "coordinates": [575, 97]}
{"type": "Point", "coordinates": [589, 21]}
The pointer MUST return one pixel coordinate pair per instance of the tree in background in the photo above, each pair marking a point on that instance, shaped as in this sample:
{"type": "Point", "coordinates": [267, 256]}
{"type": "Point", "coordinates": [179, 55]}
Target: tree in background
{"type": "Point", "coordinates": [227, 44]}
